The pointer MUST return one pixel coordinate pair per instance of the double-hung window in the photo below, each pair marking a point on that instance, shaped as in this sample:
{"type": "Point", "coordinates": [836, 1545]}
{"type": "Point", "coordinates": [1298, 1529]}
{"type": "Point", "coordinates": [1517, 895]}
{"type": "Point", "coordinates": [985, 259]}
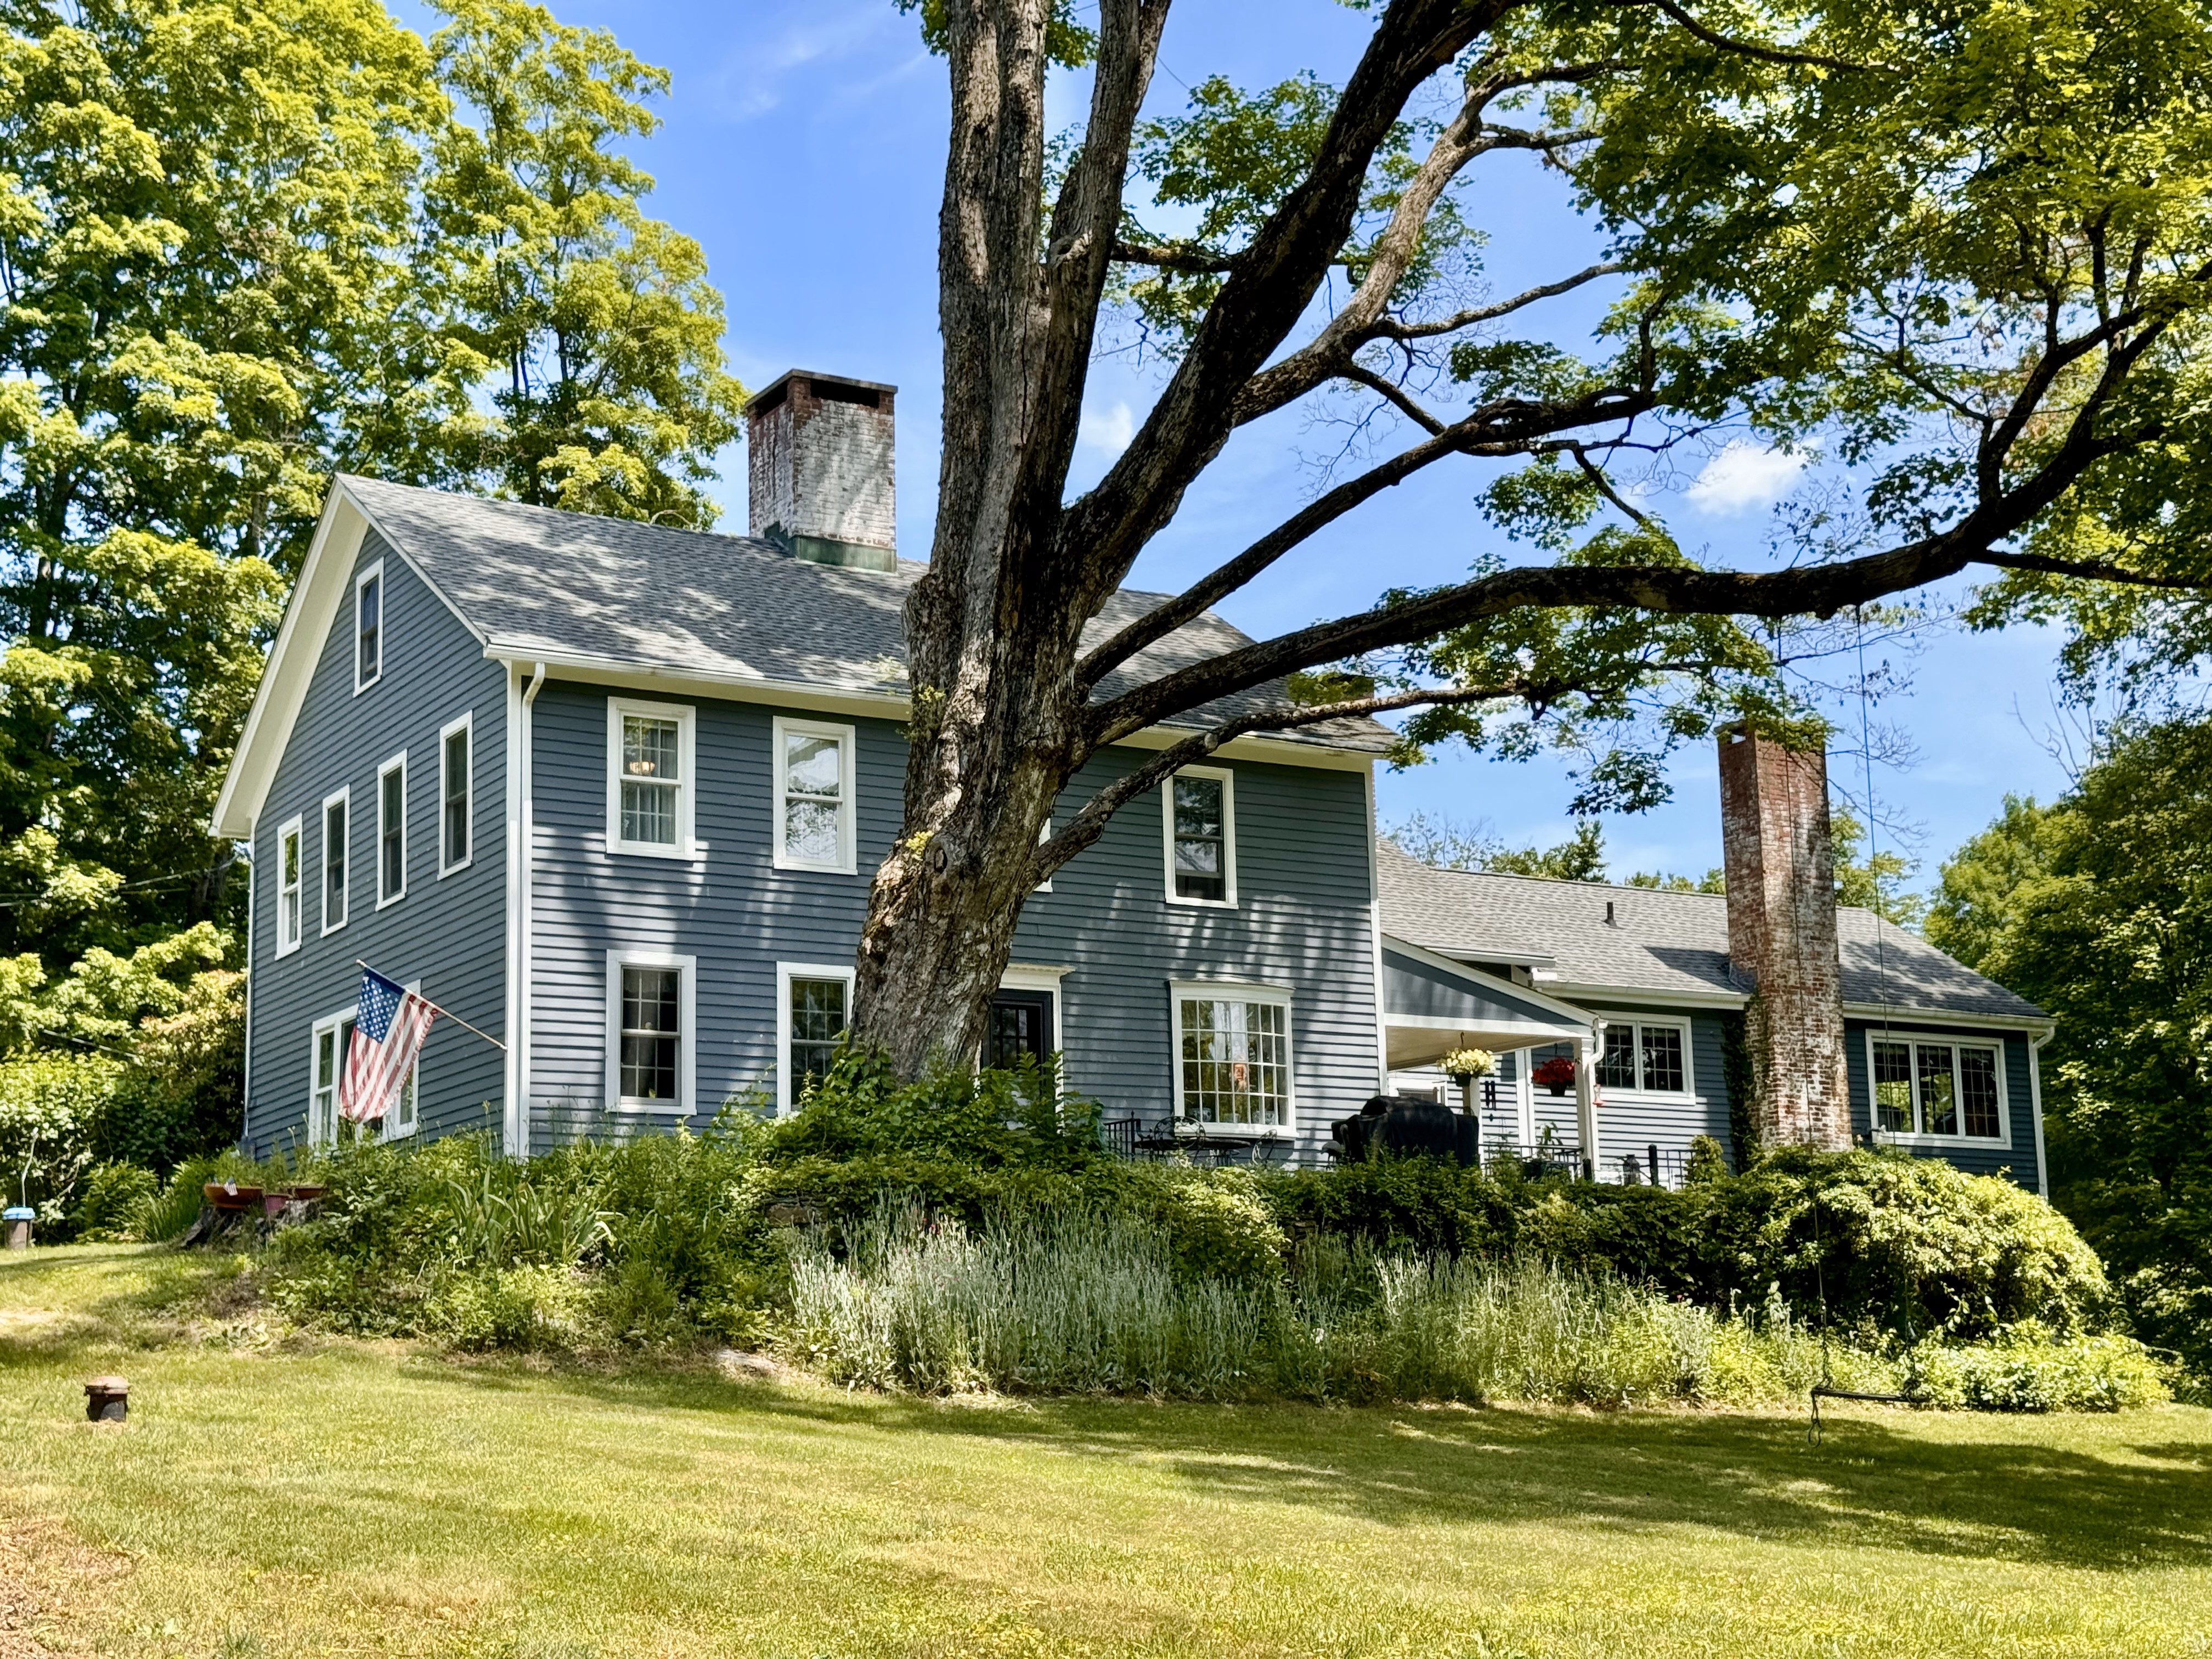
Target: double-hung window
{"type": "Point", "coordinates": [333, 1041]}
{"type": "Point", "coordinates": [392, 830]}
{"type": "Point", "coordinates": [332, 1037]}
{"type": "Point", "coordinates": [1937, 1090]}
{"type": "Point", "coordinates": [368, 626]}
{"type": "Point", "coordinates": [650, 778]}
{"type": "Point", "coordinates": [1233, 1056]}
{"type": "Point", "coordinates": [813, 796]}
{"type": "Point", "coordinates": [651, 1020]}
{"type": "Point", "coordinates": [1645, 1057]}
{"type": "Point", "coordinates": [814, 1003]}
{"type": "Point", "coordinates": [1199, 814]}
{"type": "Point", "coordinates": [334, 826]}
{"type": "Point", "coordinates": [455, 797]}
{"type": "Point", "coordinates": [290, 868]}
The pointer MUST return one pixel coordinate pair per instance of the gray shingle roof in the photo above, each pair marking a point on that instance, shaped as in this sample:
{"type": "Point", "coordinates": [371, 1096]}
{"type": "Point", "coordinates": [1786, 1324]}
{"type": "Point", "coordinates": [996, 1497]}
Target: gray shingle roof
{"type": "Point", "coordinates": [536, 581]}
{"type": "Point", "coordinates": [1658, 942]}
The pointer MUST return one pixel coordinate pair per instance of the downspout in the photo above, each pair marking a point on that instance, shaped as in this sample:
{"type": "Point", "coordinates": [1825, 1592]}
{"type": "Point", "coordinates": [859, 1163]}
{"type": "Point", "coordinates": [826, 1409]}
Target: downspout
{"type": "Point", "coordinates": [2035, 1097]}
{"type": "Point", "coordinates": [524, 951]}
{"type": "Point", "coordinates": [1585, 1101]}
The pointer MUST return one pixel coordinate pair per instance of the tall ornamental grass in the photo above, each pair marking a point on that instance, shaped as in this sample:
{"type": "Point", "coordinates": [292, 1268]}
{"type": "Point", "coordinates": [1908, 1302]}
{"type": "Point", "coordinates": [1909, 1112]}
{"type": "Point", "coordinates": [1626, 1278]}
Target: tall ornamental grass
{"type": "Point", "coordinates": [1086, 1303]}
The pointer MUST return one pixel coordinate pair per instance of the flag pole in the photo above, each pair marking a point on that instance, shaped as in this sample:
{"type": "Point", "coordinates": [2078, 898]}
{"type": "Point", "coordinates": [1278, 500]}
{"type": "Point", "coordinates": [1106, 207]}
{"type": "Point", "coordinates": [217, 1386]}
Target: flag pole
{"type": "Point", "coordinates": [435, 1009]}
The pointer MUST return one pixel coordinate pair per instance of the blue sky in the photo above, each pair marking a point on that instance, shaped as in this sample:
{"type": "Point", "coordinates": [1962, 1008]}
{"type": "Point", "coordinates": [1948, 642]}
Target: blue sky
{"type": "Point", "coordinates": [803, 146]}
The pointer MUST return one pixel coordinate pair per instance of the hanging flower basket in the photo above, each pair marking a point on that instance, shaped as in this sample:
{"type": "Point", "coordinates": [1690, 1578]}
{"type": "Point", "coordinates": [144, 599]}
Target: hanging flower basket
{"type": "Point", "coordinates": [1465, 1065]}
{"type": "Point", "coordinates": [1556, 1074]}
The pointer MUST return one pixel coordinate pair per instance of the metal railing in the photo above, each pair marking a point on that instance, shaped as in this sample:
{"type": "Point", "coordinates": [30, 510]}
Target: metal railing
{"type": "Point", "coordinates": [1141, 1140]}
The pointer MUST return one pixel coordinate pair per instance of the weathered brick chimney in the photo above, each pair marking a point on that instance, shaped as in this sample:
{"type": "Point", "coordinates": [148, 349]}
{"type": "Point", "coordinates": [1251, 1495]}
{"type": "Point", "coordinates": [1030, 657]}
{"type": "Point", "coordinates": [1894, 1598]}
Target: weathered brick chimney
{"type": "Point", "coordinates": [819, 468]}
{"type": "Point", "coordinates": [1782, 938]}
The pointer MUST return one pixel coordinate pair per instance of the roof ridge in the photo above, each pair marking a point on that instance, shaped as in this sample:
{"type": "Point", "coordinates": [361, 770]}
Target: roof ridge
{"type": "Point", "coordinates": [1619, 887]}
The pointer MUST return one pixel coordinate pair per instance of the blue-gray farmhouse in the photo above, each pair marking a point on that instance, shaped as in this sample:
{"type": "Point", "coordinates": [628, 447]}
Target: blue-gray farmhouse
{"type": "Point", "coordinates": [614, 793]}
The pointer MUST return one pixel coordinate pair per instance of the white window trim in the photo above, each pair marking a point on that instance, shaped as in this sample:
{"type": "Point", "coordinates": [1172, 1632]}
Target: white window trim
{"type": "Point", "coordinates": [396, 763]}
{"type": "Point", "coordinates": [847, 772]}
{"type": "Point", "coordinates": [785, 973]}
{"type": "Point", "coordinates": [339, 797]}
{"type": "Point", "coordinates": [466, 725]}
{"type": "Point", "coordinates": [2002, 1141]}
{"type": "Point", "coordinates": [688, 845]}
{"type": "Point", "coordinates": [1228, 836]}
{"type": "Point", "coordinates": [293, 829]}
{"type": "Point", "coordinates": [327, 1023]}
{"type": "Point", "coordinates": [374, 573]}
{"type": "Point", "coordinates": [1688, 1092]}
{"type": "Point", "coordinates": [687, 1047]}
{"type": "Point", "coordinates": [1019, 977]}
{"type": "Point", "coordinates": [337, 1022]}
{"type": "Point", "coordinates": [1241, 990]}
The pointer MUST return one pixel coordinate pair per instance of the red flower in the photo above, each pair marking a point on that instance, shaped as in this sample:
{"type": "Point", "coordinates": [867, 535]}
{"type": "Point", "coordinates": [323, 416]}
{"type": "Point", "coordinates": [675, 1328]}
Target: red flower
{"type": "Point", "coordinates": [1557, 1073]}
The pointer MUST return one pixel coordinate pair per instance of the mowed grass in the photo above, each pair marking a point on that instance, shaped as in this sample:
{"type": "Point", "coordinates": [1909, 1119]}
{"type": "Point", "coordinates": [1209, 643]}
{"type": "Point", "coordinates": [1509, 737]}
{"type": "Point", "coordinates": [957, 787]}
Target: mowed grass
{"type": "Point", "coordinates": [276, 1499]}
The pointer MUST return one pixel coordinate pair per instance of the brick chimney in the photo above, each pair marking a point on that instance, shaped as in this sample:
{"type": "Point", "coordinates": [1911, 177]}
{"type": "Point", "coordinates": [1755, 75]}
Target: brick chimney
{"type": "Point", "coordinates": [819, 467]}
{"type": "Point", "coordinates": [1782, 938]}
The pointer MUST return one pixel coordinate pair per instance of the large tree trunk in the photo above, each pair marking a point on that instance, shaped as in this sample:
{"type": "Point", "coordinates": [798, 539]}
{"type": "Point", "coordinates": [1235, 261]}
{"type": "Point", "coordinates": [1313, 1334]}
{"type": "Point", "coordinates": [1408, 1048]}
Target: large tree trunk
{"type": "Point", "coordinates": [991, 646]}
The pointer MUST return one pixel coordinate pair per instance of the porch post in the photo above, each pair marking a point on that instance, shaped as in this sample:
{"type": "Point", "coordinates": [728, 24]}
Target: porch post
{"type": "Point", "coordinates": [1585, 1101]}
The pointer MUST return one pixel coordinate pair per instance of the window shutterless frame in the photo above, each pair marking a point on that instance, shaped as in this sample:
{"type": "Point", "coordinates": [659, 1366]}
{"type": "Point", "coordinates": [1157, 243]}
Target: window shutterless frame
{"type": "Point", "coordinates": [1198, 828]}
{"type": "Point", "coordinates": [392, 830]}
{"type": "Point", "coordinates": [806, 1008]}
{"type": "Point", "coordinates": [651, 778]}
{"type": "Point", "coordinates": [1233, 1058]}
{"type": "Point", "coordinates": [1643, 1054]}
{"type": "Point", "coordinates": [291, 882]}
{"type": "Point", "coordinates": [327, 1058]}
{"type": "Point", "coordinates": [457, 796]}
{"type": "Point", "coordinates": [1947, 1090]}
{"type": "Point", "coordinates": [368, 629]}
{"type": "Point", "coordinates": [638, 1013]}
{"type": "Point", "coordinates": [336, 873]}
{"type": "Point", "coordinates": [812, 764]}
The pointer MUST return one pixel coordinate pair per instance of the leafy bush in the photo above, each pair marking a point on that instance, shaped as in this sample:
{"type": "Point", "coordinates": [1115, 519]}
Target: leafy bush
{"type": "Point", "coordinates": [51, 1109]}
{"type": "Point", "coordinates": [113, 1202]}
{"type": "Point", "coordinates": [1905, 1244]}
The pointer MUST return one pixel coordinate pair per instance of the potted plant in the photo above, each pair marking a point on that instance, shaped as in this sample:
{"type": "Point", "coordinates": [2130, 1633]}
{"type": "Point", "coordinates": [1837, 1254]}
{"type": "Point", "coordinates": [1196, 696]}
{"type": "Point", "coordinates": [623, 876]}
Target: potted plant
{"type": "Point", "coordinates": [1556, 1074]}
{"type": "Point", "coordinates": [1463, 1066]}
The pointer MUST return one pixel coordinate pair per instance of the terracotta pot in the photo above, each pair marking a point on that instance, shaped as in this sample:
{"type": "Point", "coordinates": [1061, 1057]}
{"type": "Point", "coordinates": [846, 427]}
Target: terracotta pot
{"type": "Point", "coordinates": [222, 1195]}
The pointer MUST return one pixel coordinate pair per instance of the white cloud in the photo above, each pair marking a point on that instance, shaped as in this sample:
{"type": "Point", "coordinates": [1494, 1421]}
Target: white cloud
{"type": "Point", "coordinates": [755, 78]}
{"type": "Point", "coordinates": [1107, 430]}
{"type": "Point", "coordinates": [1744, 475]}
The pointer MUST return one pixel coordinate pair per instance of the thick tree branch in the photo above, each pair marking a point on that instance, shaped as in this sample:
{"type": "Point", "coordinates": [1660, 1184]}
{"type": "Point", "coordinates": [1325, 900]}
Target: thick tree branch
{"type": "Point", "coordinates": [1819, 590]}
{"type": "Point", "coordinates": [1188, 257]}
{"type": "Point", "coordinates": [1390, 328]}
{"type": "Point", "coordinates": [2095, 570]}
{"type": "Point", "coordinates": [1275, 280]}
{"type": "Point", "coordinates": [1502, 428]}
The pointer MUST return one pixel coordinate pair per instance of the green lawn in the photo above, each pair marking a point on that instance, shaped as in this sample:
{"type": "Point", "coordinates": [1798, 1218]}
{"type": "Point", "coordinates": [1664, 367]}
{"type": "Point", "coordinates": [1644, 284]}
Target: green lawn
{"type": "Point", "coordinates": [275, 1497]}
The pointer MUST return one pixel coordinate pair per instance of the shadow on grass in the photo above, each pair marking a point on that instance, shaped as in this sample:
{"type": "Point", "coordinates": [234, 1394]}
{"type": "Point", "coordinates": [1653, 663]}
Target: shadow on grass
{"type": "Point", "coordinates": [1874, 1482]}
{"type": "Point", "coordinates": [1880, 1479]}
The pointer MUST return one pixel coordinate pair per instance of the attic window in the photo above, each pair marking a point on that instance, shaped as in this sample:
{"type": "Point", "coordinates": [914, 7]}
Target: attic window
{"type": "Point", "coordinates": [368, 626]}
{"type": "Point", "coordinates": [833, 392]}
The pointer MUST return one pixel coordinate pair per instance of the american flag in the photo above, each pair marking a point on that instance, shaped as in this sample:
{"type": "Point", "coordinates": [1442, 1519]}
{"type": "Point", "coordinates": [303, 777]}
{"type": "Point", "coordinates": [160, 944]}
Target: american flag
{"type": "Point", "coordinates": [387, 1034]}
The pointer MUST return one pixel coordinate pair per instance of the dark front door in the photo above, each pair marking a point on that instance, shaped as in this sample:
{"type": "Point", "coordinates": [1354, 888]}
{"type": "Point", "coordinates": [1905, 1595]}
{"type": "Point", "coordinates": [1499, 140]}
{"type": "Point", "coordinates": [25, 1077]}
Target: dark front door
{"type": "Point", "coordinates": [1021, 1023]}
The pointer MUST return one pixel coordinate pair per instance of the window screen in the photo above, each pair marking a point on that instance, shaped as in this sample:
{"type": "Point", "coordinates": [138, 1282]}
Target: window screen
{"type": "Point", "coordinates": [1201, 864]}
{"type": "Point", "coordinates": [652, 767]}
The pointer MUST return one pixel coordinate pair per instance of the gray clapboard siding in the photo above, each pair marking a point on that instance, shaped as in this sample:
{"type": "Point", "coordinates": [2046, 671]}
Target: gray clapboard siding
{"type": "Point", "coordinates": [1302, 919]}
{"type": "Point", "coordinates": [449, 933]}
{"type": "Point", "coordinates": [2017, 1163]}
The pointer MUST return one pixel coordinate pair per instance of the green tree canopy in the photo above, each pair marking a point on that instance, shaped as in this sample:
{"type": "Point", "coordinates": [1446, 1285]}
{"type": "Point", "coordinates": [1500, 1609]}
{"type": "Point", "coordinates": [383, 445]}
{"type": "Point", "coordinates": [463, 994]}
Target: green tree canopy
{"type": "Point", "coordinates": [245, 244]}
{"type": "Point", "coordinates": [2098, 908]}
